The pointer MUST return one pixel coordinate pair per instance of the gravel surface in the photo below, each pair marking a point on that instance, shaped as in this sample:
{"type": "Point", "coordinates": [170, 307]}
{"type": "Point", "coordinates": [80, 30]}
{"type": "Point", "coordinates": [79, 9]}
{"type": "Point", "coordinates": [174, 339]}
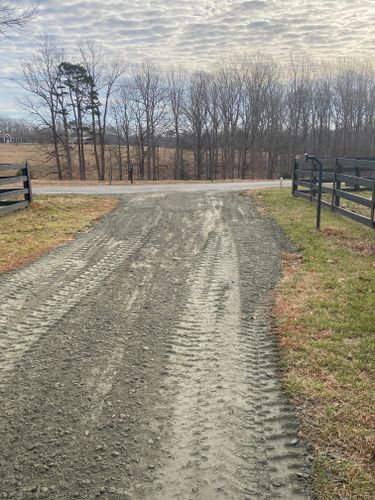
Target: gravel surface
{"type": "Point", "coordinates": [136, 362]}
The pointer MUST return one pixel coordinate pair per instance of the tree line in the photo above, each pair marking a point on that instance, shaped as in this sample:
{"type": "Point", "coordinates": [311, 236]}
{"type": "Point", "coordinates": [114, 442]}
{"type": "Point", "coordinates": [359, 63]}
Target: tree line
{"type": "Point", "coordinates": [247, 117]}
{"type": "Point", "coordinates": [17, 128]}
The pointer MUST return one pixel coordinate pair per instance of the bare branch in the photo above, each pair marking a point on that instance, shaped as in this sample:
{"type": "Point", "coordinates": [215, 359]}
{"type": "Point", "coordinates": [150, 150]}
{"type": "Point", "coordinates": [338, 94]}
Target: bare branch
{"type": "Point", "coordinates": [15, 18]}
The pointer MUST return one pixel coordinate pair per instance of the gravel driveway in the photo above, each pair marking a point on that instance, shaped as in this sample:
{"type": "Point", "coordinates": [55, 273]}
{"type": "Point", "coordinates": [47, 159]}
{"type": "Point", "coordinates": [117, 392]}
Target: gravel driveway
{"type": "Point", "coordinates": [136, 362]}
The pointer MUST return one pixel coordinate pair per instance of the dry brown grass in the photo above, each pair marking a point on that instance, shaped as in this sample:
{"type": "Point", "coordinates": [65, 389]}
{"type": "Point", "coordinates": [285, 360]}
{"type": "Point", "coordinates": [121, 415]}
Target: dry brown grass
{"type": "Point", "coordinates": [49, 221]}
{"type": "Point", "coordinates": [35, 154]}
{"type": "Point", "coordinates": [45, 171]}
{"type": "Point", "coordinates": [19, 153]}
{"type": "Point", "coordinates": [348, 240]}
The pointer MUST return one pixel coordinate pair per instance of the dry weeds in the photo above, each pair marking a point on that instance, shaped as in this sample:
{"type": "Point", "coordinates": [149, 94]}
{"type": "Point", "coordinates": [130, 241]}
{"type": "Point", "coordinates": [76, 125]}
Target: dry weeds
{"type": "Point", "coordinates": [49, 221]}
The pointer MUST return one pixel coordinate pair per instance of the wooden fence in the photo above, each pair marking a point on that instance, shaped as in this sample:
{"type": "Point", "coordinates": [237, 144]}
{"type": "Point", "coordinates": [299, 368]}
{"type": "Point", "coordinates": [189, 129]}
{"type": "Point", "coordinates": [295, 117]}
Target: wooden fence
{"type": "Point", "coordinates": [15, 187]}
{"type": "Point", "coordinates": [350, 179]}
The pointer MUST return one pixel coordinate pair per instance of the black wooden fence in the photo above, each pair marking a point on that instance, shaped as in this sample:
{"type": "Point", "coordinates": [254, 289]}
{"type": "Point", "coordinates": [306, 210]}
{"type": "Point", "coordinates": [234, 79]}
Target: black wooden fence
{"type": "Point", "coordinates": [15, 187]}
{"type": "Point", "coordinates": [351, 179]}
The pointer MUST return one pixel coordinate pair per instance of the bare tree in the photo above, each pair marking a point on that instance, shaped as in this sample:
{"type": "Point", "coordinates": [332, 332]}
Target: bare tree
{"type": "Point", "coordinates": [149, 94]}
{"type": "Point", "coordinates": [14, 18]}
{"type": "Point", "coordinates": [92, 60]}
{"type": "Point", "coordinates": [122, 113]}
{"type": "Point", "coordinates": [104, 75]}
{"type": "Point", "coordinates": [40, 81]}
{"type": "Point", "coordinates": [229, 94]}
{"type": "Point", "coordinates": [196, 113]}
{"type": "Point", "coordinates": [176, 96]}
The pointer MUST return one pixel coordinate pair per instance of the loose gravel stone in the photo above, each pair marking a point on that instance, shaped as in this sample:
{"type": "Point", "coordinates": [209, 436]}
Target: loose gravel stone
{"type": "Point", "coordinates": [137, 360]}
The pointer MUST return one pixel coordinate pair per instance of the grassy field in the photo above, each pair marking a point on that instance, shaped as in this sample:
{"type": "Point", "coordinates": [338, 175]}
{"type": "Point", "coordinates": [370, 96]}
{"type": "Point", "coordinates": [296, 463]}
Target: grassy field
{"type": "Point", "coordinates": [43, 168]}
{"type": "Point", "coordinates": [325, 319]}
{"type": "Point", "coordinates": [48, 222]}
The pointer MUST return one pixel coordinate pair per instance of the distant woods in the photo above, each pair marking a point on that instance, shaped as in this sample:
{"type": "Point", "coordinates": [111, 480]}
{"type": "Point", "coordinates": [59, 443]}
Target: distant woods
{"type": "Point", "coordinates": [246, 118]}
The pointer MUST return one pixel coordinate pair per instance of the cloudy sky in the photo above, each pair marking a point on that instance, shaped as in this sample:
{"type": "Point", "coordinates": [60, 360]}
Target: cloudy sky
{"type": "Point", "coordinates": [194, 33]}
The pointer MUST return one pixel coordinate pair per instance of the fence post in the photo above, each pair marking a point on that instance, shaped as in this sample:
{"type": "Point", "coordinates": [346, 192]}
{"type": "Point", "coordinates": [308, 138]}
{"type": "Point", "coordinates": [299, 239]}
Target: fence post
{"type": "Point", "coordinates": [294, 175]}
{"type": "Point", "coordinates": [333, 198]}
{"type": "Point", "coordinates": [373, 200]}
{"type": "Point", "coordinates": [338, 183]}
{"type": "Point", "coordinates": [319, 198]}
{"type": "Point", "coordinates": [27, 184]}
{"type": "Point", "coordinates": [312, 177]}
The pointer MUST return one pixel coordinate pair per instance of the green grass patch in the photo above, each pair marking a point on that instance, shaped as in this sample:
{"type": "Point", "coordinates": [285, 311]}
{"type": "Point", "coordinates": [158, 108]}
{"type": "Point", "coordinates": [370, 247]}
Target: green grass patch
{"type": "Point", "coordinates": [48, 222]}
{"type": "Point", "coordinates": [325, 316]}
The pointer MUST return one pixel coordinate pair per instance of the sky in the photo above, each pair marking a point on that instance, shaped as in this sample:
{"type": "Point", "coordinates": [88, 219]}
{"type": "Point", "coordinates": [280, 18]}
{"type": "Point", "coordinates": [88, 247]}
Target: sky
{"type": "Point", "coordinates": [192, 33]}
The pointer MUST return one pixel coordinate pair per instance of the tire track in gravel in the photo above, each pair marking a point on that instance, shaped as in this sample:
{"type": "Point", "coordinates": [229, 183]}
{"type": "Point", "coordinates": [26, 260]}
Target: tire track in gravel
{"type": "Point", "coordinates": [144, 368]}
{"type": "Point", "coordinates": [205, 364]}
{"type": "Point", "coordinates": [228, 436]}
{"type": "Point", "coordinates": [50, 288]}
{"type": "Point", "coordinates": [77, 418]}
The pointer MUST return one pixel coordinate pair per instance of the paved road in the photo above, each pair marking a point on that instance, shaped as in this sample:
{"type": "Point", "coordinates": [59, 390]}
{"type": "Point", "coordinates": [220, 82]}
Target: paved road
{"type": "Point", "coordinates": [136, 362]}
{"type": "Point", "coordinates": [156, 188]}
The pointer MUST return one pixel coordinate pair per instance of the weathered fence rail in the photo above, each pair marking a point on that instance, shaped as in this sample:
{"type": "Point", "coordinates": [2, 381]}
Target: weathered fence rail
{"type": "Point", "coordinates": [341, 179]}
{"type": "Point", "coordinates": [15, 187]}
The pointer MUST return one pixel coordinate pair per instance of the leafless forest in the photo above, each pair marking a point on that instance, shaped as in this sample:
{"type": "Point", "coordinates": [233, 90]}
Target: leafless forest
{"type": "Point", "coordinates": [245, 118]}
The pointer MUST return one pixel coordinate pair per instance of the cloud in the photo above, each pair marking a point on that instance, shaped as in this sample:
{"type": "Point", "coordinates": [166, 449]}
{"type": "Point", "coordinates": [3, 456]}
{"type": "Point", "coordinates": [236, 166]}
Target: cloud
{"type": "Point", "coordinates": [196, 33]}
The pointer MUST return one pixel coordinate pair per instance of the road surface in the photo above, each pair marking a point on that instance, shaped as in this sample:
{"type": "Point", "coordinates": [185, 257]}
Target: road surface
{"type": "Point", "coordinates": [137, 361]}
{"type": "Point", "coordinates": [187, 187]}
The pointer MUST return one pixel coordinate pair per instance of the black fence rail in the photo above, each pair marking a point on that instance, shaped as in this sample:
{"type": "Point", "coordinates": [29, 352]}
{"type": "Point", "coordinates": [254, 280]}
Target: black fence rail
{"type": "Point", "coordinates": [15, 187]}
{"type": "Point", "coordinates": [351, 179]}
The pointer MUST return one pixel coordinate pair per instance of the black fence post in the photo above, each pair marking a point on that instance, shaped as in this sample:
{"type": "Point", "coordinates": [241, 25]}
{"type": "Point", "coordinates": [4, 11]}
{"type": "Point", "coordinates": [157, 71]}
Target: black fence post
{"type": "Point", "coordinates": [338, 184]}
{"type": "Point", "coordinates": [334, 185]}
{"type": "Point", "coordinates": [373, 200]}
{"type": "Point", "coordinates": [335, 202]}
{"type": "Point", "coordinates": [27, 184]}
{"type": "Point", "coordinates": [312, 177]}
{"type": "Point", "coordinates": [341, 176]}
{"type": "Point", "coordinates": [294, 175]}
{"type": "Point", "coordinates": [319, 198]}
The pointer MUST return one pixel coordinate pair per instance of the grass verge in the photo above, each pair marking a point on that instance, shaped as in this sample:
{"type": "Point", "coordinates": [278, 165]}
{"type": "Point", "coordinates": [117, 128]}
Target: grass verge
{"type": "Point", "coordinates": [48, 222]}
{"type": "Point", "coordinates": [325, 319]}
